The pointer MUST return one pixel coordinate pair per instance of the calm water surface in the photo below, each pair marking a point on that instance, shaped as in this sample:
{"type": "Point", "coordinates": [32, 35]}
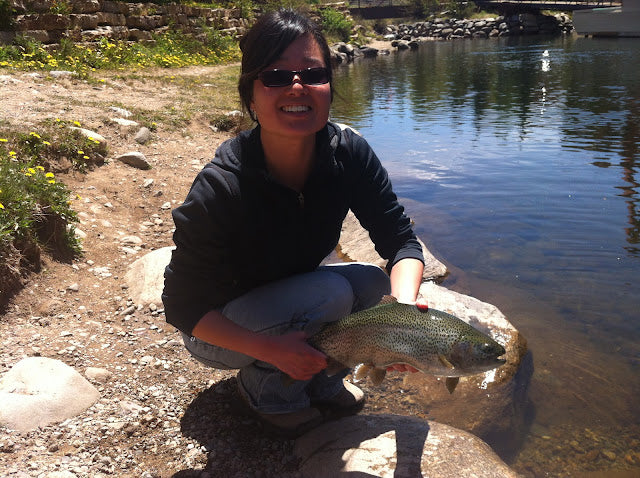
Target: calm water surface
{"type": "Point", "coordinates": [520, 164]}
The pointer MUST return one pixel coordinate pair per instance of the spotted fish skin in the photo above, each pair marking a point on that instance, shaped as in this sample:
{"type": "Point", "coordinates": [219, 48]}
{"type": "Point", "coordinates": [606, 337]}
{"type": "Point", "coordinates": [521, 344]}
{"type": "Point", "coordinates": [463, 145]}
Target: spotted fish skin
{"type": "Point", "coordinates": [432, 341]}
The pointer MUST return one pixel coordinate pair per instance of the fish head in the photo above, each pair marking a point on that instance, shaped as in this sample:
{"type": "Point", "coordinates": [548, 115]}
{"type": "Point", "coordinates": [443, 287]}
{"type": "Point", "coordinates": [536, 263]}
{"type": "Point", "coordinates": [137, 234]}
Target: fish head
{"type": "Point", "coordinates": [475, 353]}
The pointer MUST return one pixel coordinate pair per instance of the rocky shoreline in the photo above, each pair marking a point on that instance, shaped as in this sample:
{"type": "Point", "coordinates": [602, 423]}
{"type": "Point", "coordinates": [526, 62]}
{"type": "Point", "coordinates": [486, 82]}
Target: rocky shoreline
{"type": "Point", "coordinates": [406, 36]}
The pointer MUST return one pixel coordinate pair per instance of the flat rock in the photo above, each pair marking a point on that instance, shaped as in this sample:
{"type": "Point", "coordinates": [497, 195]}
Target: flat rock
{"type": "Point", "coordinates": [38, 391]}
{"type": "Point", "coordinates": [135, 159]}
{"type": "Point", "coordinates": [395, 446]}
{"type": "Point", "coordinates": [356, 245]}
{"type": "Point", "coordinates": [125, 122]}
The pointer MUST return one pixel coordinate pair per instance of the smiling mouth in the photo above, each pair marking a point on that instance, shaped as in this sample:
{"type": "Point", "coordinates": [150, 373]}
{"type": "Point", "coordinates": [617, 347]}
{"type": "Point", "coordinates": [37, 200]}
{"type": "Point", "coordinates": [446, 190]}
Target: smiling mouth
{"type": "Point", "coordinates": [295, 109]}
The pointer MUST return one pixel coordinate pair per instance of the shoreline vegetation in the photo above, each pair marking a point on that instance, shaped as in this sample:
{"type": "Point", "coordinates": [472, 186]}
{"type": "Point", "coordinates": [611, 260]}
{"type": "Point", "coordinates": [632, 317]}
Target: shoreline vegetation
{"type": "Point", "coordinates": [36, 215]}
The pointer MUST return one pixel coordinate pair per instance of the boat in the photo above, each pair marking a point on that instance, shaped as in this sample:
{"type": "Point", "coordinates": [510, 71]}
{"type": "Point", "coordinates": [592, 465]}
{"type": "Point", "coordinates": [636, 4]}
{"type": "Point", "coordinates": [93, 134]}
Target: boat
{"type": "Point", "coordinates": [621, 21]}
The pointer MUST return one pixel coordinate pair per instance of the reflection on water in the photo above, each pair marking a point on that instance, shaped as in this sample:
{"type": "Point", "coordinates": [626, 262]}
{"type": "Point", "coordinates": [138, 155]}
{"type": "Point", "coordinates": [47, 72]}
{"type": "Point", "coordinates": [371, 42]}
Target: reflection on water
{"type": "Point", "coordinates": [519, 160]}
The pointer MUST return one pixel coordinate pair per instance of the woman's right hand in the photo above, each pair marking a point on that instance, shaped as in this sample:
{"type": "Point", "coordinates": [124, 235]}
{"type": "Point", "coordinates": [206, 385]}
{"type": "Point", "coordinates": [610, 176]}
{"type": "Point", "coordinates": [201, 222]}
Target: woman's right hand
{"type": "Point", "coordinates": [292, 354]}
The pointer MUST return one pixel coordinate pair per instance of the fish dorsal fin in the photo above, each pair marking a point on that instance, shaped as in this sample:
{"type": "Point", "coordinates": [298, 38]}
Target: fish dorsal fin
{"type": "Point", "coordinates": [387, 299]}
{"type": "Point", "coordinates": [377, 375]}
{"type": "Point", "coordinates": [451, 383]}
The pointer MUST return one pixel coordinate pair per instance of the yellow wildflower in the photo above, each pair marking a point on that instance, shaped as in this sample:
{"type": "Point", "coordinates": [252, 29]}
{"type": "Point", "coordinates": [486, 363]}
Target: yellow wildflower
{"type": "Point", "coordinates": [49, 175]}
{"type": "Point", "coordinates": [12, 153]}
{"type": "Point", "coordinates": [77, 123]}
{"type": "Point", "coordinates": [51, 181]}
{"type": "Point", "coordinates": [1, 206]}
{"type": "Point", "coordinates": [80, 151]}
{"type": "Point", "coordinates": [3, 140]}
{"type": "Point", "coordinates": [31, 170]}
{"type": "Point", "coordinates": [35, 135]}
{"type": "Point", "coordinates": [40, 168]}
{"type": "Point", "coordinates": [46, 143]}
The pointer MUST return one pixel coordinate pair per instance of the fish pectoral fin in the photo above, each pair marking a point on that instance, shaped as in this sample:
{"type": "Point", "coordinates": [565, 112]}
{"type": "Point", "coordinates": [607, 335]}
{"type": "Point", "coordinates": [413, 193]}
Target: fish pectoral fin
{"type": "Point", "coordinates": [333, 367]}
{"type": "Point", "coordinates": [451, 383]}
{"type": "Point", "coordinates": [377, 375]}
{"type": "Point", "coordinates": [361, 371]}
{"type": "Point", "coordinates": [444, 361]}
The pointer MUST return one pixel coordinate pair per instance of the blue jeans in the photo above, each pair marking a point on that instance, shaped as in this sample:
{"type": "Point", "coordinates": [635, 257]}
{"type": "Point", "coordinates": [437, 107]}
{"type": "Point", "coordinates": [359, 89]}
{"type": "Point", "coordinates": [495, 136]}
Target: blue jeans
{"type": "Point", "coordinates": [302, 302]}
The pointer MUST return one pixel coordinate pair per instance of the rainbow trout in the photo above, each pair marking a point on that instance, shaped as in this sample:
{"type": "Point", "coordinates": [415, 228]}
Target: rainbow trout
{"type": "Point", "coordinates": [429, 340]}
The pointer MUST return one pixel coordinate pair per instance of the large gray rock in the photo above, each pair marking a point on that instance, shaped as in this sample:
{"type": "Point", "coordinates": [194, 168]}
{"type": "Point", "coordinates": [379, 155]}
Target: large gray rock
{"type": "Point", "coordinates": [355, 245]}
{"type": "Point", "coordinates": [38, 391]}
{"type": "Point", "coordinates": [145, 277]}
{"type": "Point", "coordinates": [395, 446]}
{"type": "Point", "coordinates": [491, 405]}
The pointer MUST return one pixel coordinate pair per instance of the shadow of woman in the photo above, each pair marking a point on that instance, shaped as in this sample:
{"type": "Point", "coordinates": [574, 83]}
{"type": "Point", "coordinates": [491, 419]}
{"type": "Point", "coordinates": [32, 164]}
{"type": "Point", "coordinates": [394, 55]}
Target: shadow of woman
{"type": "Point", "coordinates": [236, 443]}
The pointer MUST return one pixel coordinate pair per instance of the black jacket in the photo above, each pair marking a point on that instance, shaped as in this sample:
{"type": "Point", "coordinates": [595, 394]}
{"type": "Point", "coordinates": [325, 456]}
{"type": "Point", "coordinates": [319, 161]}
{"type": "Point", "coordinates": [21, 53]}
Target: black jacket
{"type": "Point", "coordinates": [239, 229]}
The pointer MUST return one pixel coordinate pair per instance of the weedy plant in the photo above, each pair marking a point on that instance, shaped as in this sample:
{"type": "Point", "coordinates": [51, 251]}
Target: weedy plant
{"type": "Point", "coordinates": [35, 208]}
{"type": "Point", "coordinates": [335, 25]}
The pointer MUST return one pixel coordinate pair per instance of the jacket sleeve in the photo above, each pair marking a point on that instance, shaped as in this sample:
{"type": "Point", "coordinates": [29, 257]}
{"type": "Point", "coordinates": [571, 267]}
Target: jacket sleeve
{"type": "Point", "coordinates": [376, 206]}
{"type": "Point", "coordinates": [194, 279]}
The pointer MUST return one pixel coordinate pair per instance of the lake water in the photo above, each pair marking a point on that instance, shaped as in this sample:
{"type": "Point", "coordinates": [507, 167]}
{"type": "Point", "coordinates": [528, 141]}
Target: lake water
{"type": "Point", "coordinates": [519, 160]}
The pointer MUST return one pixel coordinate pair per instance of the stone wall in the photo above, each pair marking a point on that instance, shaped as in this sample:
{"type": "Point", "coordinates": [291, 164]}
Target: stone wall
{"type": "Point", "coordinates": [48, 21]}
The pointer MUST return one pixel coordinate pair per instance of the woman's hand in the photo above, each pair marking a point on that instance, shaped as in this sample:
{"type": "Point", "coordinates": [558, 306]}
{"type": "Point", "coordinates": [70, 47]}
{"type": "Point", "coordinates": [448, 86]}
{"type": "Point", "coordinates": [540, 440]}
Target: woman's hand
{"type": "Point", "coordinates": [292, 354]}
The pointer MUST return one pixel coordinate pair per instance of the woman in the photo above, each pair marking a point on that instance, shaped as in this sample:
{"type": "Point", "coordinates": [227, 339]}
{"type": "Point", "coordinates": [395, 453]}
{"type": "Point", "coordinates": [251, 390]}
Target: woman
{"type": "Point", "coordinates": [244, 284]}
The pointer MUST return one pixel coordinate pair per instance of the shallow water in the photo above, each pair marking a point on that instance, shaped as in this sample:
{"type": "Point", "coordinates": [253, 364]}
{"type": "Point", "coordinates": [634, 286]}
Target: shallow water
{"type": "Point", "coordinates": [521, 170]}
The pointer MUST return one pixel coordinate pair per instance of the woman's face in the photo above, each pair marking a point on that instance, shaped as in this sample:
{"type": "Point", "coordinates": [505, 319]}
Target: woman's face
{"type": "Point", "coordinates": [296, 110]}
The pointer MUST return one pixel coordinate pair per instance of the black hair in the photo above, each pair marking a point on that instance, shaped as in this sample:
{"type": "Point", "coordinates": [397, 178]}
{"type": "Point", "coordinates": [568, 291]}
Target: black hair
{"type": "Point", "coordinates": [267, 40]}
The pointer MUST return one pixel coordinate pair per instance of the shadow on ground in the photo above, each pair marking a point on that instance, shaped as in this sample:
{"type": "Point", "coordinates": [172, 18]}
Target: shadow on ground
{"type": "Point", "coordinates": [237, 444]}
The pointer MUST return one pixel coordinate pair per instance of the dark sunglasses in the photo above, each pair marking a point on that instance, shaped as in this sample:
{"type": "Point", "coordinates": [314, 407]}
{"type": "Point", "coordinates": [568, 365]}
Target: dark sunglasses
{"type": "Point", "coordinates": [310, 76]}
